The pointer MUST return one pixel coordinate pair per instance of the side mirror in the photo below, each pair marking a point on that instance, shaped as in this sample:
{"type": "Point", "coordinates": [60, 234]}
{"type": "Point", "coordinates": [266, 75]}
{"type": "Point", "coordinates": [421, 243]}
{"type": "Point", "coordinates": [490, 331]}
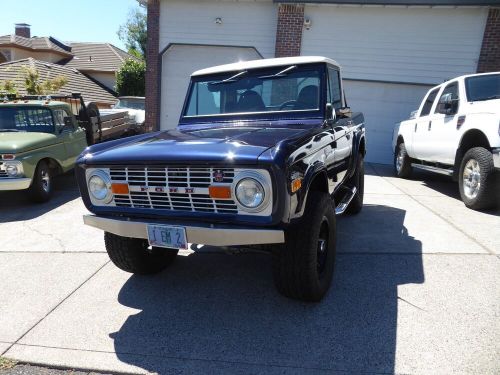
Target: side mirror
{"type": "Point", "coordinates": [447, 105]}
{"type": "Point", "coordinates": [344, 112]}
{"type": "Point", "coordinates": [68, 124]}
{"type": "Point", "coordinates": [330, 114]}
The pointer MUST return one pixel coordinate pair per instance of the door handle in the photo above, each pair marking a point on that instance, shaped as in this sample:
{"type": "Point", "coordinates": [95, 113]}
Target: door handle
{"type": "Point", "coordinates": [430, 125]}
{"type": "Point", "coordinates": [415, 127]}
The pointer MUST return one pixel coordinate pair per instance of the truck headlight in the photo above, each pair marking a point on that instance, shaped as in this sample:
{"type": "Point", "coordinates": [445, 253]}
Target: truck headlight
{"type": "Point", "coordinates": [250, 193]}
{"type": "Point", "coordinates": [13, 168]}
{"type": "Point", "coordinates": [99, 185]}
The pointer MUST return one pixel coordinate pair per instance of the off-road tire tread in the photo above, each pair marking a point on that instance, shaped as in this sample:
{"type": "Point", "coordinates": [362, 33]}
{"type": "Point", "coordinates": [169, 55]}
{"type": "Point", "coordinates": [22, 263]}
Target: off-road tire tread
{"type": "Point", "coordinates": [489, 180]}
{"type": "Point", "coordinates": [294, 264]}
{"type": "Point", "coordinates": [131, 255]}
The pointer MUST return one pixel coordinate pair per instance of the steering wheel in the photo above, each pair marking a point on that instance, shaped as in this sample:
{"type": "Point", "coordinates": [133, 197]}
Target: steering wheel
{"type": "Point", "coordinates": [287, 104]}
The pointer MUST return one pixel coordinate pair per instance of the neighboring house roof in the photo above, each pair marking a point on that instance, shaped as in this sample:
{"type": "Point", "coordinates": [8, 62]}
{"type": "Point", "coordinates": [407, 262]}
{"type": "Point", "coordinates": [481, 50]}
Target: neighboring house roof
{"type": "Point", "coordinates": [265, 63]}
{"type": "Point", "coordinates": [77, 82]}
{"type": "Point", "coordinates": [399, 2]}
{"type": "Point", "coordinates": [98, 57]}
{"type": "Point", "coordinates": [35, 44]}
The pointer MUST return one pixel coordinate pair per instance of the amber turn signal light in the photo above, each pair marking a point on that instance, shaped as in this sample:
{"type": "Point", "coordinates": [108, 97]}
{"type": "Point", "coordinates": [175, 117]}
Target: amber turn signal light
{"type": "Point", "coordinates": [219, 192]}
{"type": "Point", "coordinates": [121, 189]}
{"type": "Point", "coordinates": [296, 184]}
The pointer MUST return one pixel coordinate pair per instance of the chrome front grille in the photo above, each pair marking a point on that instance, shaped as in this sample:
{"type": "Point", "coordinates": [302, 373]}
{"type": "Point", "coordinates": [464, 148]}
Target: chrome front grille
{"type": "Point", "coordinates": [3, 174]}
{"type": "Point", "coordinates": [172, 188]}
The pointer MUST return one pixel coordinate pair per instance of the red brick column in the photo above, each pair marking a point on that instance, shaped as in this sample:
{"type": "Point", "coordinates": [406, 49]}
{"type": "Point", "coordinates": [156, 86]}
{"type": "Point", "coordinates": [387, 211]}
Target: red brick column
{"type": "Point", "coordinates": [289, 32]}
{"type": "Point", "coordinates": [153, 67]}
{"type": "Point", "coordinates": [489, 59]}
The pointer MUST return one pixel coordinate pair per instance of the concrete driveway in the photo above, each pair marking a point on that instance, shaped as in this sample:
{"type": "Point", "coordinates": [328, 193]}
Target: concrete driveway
{"type": "Point", "coordinates": [416, 291]}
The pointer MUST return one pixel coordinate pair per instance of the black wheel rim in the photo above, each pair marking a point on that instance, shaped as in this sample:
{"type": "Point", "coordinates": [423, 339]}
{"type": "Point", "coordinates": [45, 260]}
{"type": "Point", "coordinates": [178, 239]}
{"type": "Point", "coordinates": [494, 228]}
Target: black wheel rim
{"type": "Point", "coordinates": [322, 246]}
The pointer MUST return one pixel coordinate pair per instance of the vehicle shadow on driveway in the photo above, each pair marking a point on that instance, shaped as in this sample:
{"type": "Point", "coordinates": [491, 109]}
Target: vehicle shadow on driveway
{"type": "Point", "coordinates": [216, 313]}
{"type": "Point", "coordinates": [16, 205]}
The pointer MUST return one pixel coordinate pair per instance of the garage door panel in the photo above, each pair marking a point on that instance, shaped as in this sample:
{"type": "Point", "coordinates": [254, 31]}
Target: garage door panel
{"type": "Point", "coordinates": [383, 105]}
{"type": "Point", "coordinates": [179, 62]}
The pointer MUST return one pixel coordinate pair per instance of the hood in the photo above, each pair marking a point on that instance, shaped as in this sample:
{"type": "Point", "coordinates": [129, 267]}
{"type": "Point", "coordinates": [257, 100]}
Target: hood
{"type": "Point", "coordinates": [18, 142]}
{"type": "Point", "coordinates": [242, 144]}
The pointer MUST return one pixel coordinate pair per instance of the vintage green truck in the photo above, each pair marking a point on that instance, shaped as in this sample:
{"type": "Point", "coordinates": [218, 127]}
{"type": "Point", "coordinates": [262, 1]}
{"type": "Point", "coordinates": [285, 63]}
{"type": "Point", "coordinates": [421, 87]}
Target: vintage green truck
{"type": "Point", "coordinates": [42, 137]}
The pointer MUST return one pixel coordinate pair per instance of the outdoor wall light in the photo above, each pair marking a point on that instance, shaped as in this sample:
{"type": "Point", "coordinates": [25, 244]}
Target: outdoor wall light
{"type": "Point", "coordinates": [307, 23]}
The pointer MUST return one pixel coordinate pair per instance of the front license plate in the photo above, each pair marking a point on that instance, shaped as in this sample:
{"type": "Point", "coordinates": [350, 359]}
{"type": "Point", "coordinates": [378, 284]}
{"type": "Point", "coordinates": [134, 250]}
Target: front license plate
{"type": "Point", "coordinates": [167, 236]}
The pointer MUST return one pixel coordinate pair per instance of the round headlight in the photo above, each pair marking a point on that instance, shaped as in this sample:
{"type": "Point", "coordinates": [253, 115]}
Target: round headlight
{"type": "Point", "coordinates": [250, 193]}
{"type": "Point", "coordinates": [12, 170]}
{"type": "Point", "coordinates": [98, 187]}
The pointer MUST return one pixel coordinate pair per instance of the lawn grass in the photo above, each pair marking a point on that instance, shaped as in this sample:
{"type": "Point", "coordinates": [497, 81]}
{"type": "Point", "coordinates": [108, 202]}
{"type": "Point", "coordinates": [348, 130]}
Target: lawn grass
{"type": "Point", "coordinates": [6, 363]}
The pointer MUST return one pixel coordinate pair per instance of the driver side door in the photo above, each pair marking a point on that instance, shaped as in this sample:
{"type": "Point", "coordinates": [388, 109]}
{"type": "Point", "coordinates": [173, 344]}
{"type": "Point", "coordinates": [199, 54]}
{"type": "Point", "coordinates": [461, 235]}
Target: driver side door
{"type": "Point", "coordinates": [72, 135]}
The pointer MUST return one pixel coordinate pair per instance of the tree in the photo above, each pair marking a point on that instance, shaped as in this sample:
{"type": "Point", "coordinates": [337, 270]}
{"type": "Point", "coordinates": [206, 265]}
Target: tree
{"type": "Point", "coordinates": [35, 86]}
{"type": "Point", "coordinates": [131, 78]}
{"type": "Point", "coordinates": [134, 33]}
{"type": "Point", "coordinates": [8, 87]}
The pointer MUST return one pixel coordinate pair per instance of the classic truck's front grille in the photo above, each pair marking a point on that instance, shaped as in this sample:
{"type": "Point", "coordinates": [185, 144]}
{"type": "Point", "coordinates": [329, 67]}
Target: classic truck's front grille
{"type": "Point", "coordinates": [173, 188]}
{"type": "Point", "coordinates": [3, 174]}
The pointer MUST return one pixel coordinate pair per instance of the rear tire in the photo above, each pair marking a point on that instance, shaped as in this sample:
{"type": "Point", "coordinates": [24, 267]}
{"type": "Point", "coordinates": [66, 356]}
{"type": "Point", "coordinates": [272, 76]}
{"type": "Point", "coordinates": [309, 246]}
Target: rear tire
{"type": "Point", "coordinates": [133, 254]}
{"type": "Point", "coordinates": [41, 189]}
{"type": "Point", "coordinates": [402, 162]}
{"type": "Point", "coordinates": [358, 181]}
{"type": "Point", "coordinates": [303, 267]}
{"type": "Point", "coordinates": [477, 180]}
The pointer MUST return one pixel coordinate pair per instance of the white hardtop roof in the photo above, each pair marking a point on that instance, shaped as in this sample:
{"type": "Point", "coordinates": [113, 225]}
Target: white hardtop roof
{"type": "Point", "coordinates": [265, 63]}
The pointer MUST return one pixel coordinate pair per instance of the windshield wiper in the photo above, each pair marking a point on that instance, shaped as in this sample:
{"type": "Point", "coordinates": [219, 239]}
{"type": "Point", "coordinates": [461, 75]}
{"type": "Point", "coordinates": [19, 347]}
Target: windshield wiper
{"type": "Point", "coordinates": [230, 79]}
{"type": "Point", "coordinates": [283, 73]}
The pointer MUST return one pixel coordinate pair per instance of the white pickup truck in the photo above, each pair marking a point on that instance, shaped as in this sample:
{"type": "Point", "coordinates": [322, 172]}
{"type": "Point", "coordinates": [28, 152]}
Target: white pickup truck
{"type": "Point", "coordinates": [456, 132]}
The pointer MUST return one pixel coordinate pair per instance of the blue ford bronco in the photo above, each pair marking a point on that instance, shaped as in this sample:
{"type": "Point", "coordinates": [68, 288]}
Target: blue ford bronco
{"type": "Point", "coordinates": [266, 154]}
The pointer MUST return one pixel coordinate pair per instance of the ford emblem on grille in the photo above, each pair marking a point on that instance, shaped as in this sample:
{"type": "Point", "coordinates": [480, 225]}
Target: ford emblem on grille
{"type": "Point", "coordinates": [218, 176]}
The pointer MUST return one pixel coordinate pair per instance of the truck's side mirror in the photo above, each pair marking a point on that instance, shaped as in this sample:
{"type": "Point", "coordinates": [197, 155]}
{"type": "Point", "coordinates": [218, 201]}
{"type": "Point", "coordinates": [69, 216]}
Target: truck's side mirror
{"type": "Point", "coordinates": [68, 124]}
{"type": "Point", "coordinates": [447, 104]}
{"type": "Point", "coordinates": [344, 112]}
{"type": "Point", "coordinates": [330, 114]}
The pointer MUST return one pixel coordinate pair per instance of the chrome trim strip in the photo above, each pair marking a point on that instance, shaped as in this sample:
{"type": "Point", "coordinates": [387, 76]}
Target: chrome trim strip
{"type": "Point", "coordinates": [217, 236]}
{"type": "Point", "coordinates": [340, 209]}
{"type": "Point", "coordinates": [429, 168]}
{"type": "Point", "coordinates": [7, 184]}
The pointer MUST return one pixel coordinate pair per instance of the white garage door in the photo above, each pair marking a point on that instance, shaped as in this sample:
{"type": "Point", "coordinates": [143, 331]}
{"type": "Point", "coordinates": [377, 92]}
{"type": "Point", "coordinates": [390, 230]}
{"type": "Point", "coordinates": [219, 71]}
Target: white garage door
{"type": "Point", "coordinates": [383, 105]}
{"type": "Point", "coordinates": [179, 61]}
{"type": "Point", "coordinates": [393, 44]}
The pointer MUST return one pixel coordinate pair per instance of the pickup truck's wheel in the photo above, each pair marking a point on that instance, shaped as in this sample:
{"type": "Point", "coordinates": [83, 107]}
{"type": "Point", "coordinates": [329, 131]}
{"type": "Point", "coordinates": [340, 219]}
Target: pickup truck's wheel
{"type": "Point", "coordinates": [402, 162]}
{"type": "Point", "coordinates": [41, 187]}
{"type": "Point", "coordinates": [477, 179]}
{"type": "Point", "coordinates": [358, 181]}
{"type": "Point", "coordinates": [135, 256]}
{"type": "Point", "coordinates": [303, 267]}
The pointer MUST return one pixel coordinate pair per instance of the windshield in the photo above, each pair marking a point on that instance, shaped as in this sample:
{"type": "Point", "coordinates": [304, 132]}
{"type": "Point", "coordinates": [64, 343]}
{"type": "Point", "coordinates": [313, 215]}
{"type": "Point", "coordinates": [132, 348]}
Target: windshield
{"type": "Point", "coordinates": [130, 104]}
{"type": "Point", "coordinates": [485, 87]}
{"type": "Point", "coordinates": [26, 119]}
{"type": "Point", "coordinates": [281, 89]}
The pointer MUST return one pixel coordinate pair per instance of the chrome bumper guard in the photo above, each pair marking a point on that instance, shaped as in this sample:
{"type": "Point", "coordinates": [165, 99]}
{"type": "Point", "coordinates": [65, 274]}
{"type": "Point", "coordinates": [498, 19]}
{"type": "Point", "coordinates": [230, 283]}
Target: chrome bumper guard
{"type": "Point", "coordinates": [7, 184]}
{"type": "Point", "coordinates": [198, 234]}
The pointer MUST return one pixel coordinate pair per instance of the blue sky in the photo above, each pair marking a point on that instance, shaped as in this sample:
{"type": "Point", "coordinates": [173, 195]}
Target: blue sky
{"type": "Point", "coordinates": [68, 20]}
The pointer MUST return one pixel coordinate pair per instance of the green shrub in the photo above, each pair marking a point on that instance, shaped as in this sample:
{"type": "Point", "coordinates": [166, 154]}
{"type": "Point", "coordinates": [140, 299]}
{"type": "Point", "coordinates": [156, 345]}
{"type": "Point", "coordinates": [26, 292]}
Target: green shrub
{"type": "Point", "coordinates": [131, 78]}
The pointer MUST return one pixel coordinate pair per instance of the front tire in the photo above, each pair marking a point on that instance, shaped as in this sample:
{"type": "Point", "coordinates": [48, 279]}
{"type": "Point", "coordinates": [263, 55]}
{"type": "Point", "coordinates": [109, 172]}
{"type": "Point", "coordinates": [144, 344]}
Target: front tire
{"type": "Point", "coordinates": [134, 255]}
{"type": "Point", "coordinates": [477, 179]}
{"type": "Point", "coordinates": [41, 189]}
{"type": "Point", "coordinates": [303, 267]}
{"type": "Point", "coordinates": [402, 162]}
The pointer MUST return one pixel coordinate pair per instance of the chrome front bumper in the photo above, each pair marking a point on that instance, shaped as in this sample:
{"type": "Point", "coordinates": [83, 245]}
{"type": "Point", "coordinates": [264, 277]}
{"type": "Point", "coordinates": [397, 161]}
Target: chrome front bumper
{"type": "Point", "coordinates": [496, 158]}
{"type": "Point", "coordinates": [14, 183]}
{"type": "Point", "coordinates": [198, 234]}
